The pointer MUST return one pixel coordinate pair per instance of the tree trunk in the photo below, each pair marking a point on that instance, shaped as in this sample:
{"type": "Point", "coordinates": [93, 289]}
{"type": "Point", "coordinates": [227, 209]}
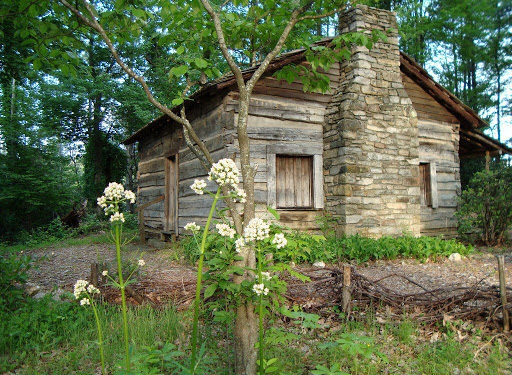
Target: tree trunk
{"type": "Point", "coordinates": [246, 336]}
{"type": "Point", "coordinates": [246, 323]}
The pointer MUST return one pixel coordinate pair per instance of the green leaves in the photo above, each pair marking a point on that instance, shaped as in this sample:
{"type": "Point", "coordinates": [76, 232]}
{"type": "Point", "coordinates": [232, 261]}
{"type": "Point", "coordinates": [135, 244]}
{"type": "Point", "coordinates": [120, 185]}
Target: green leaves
{"type": "Point", "coordinates": [177, 101]}
{"type": "Point", "coordinates": [178, 71]}
{"type": "Point", "coordinates": [200, 63]}
{"type": "Point", "coordinates": [210, 290]}
{"type": "Point", "coordinates": [485, 212]}
{"type": "Point", "coordinates": [335, 369]}
{"type": "Point", "coordinates": [355, 345]}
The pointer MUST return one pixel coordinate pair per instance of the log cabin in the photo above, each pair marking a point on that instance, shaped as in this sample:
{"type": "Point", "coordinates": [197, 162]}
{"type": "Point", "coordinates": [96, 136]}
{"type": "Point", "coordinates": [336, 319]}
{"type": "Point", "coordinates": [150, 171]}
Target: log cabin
{"type": "Point", "coordinates": [379, 153]}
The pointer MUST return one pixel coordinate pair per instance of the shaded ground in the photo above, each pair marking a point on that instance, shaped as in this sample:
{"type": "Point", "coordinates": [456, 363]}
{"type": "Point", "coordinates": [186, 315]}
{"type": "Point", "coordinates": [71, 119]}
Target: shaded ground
{"type": "Point", "coordinates": [165, 278]}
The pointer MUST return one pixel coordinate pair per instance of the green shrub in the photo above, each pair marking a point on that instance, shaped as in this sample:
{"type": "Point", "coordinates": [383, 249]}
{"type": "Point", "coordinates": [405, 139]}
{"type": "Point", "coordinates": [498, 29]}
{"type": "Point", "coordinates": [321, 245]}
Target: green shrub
{"type": "Point", "coordinates": [53, 232]}
{"type": "Point", "coordinates": [93, 223]}
{"type": "Point", "coordinates": [13, 276]}
{"type": "Point", "coordinates": [311, 248]}
{"type": "Point", "coordinates": [307, 248]}
{"type": "Point", "coordinates": [485, 212]}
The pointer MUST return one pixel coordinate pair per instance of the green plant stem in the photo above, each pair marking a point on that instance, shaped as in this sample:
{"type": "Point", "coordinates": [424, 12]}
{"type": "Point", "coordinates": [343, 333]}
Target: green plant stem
{"type": "Point", "coordinates": [100, 336]}
{"type": "Point", "coordinates": [261, 312]}
{"type": "Point", "coordinates": [123, 297]}
{"type": "Point", "coordinates": [198, 284]}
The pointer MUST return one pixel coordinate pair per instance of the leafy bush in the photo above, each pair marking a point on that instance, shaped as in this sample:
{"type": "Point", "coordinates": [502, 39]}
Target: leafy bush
{"type": "Point", "coordinates": [93, 223]}
{"type": "Point", "coordinates": [55, 231]}
{"type": "Point", "coordinates": [485, 212]}
{"type": "Point", "coordinates": [311, 248]}
{"type": "Point", "coordinates": [307, 248]}
{"type": "Point", "coordinates": [12, 277]}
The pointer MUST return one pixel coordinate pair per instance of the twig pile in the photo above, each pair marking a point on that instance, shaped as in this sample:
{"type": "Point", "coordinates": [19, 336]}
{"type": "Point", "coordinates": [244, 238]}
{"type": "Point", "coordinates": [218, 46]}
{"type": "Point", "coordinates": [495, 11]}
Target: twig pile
{"type": "Point", "coordinates": [428, 306]}
{"type": "Point", "coordinates": [323, 295]}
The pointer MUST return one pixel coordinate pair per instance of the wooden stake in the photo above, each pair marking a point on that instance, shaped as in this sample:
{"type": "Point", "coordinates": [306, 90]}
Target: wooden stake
{"type": "Point", "coordinates": [487, 160]}
{"type": "Point", "coordinates": [345, 297]}
{"type": "Point", "coordinates": [503, 292]}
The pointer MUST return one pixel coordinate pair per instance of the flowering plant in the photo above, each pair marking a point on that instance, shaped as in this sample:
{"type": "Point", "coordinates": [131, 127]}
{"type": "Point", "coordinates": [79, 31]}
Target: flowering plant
{"type": "Point", "coordinates": [230, 247]}
{"type": "Point", "coordinates": [84, 292]}
{"type": "Point", "coordinates": [113, 197]}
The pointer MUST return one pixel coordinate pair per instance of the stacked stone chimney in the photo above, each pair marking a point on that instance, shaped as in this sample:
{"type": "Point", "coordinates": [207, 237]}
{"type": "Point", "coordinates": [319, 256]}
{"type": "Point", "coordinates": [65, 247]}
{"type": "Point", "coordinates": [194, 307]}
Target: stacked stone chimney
{"type": "Point", "coordinates": [371, 138]}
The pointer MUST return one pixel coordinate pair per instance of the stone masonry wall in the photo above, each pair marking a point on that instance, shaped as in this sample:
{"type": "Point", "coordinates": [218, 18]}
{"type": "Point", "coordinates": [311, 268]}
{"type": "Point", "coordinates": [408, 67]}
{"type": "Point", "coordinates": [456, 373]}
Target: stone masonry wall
{"type": "Point", "coordinates": [371, 145]}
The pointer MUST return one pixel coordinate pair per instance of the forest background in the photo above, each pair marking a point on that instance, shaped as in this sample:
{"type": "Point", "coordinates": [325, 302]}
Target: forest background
{"type": "Point", "coordinates": [66, 105]}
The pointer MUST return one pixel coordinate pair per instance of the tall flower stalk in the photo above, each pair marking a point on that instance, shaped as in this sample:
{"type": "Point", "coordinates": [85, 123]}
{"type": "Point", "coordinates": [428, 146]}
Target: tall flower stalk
{"type": "Point", "coordinates": [198, 284]}
{"type": "Point", "coordinates": [85, 292]}
{"type": "Point", "coordinates": [122, 286]}
{"type": "Point", "coordinates": [224, 173]}
{"type": "Point", "coordinates": [261, 315]}
{"type": "Point", "coordinates": [113, 196]}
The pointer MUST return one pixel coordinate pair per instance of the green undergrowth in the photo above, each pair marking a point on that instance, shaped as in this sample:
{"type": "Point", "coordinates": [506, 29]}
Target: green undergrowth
{"type": "Point", "coordinates": [59, 337]}
{"type": "Point", "coordinates": [92, 230]}
{"type": "Point", "coordinates": [53, 337]}
{"type": "Point", "coordinates": [309, 248]}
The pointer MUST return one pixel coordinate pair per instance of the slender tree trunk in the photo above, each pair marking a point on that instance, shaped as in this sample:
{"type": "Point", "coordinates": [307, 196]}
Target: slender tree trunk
{"type": "Point", "coordinates": [13, 97]}
{"type": "Point", "coordinates": [246, 323]}
{"type": "Point", "coordinates": [246, 336]}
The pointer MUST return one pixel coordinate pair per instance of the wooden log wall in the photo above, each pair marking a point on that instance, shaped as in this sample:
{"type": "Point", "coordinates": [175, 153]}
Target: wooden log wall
{"type": "Point", "coordinates": [282, 115]}
{"type": "Point", "coordinates": [439, 144]}
{"type": "Point", "coordinates": [215, 127]}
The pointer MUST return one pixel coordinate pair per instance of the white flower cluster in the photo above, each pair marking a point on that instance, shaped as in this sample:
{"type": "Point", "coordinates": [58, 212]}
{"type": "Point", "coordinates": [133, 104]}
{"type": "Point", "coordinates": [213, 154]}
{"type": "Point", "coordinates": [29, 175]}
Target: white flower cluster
{"type": "Point", "coordinates": [239, 195]}
{"type": "Point", "coordinates": [193, 227]}
{"type": "Point", "coordinates": [257, 229]}
{"type": "Point", "coordinates": [260, 289]}
{"type": "Point", "coordinates": [142, 263]}
{"type": "Point", "coordinates": [117, 216]}
{"type": "Point", "coordinates": [279, 240]}
{"type": "Point", "coordinates": [83, 287]}
{"type": "Point", "coordinates": [225, 230]}
{"type": "Point", "coordinates": [130, 196]}
{"type": "Point", "coordinates": [224, 172]}
{"type": "Point", "coordinates": [105, 273]}
{"type": "Point", "coordinates": [114, 194]}
{"type": "Point", "coordinates": [239, 244]}
{"type": "Point", "coordinates": [198, 186]}
{"type": "Point", "coordinates": [80, 288]}
{"type": "Point", "coordinates": [265, 276]}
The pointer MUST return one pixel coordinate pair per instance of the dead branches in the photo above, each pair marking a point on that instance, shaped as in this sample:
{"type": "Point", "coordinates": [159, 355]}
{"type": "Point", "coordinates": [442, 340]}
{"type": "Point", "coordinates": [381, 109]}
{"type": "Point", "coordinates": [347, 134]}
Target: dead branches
{"type": "Point", "coordinates": [324, 292]}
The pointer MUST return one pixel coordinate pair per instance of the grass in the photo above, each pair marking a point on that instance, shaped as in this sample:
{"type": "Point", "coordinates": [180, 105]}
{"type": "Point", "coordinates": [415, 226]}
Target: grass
{"type": "Point", "coordinates": [58, 337]}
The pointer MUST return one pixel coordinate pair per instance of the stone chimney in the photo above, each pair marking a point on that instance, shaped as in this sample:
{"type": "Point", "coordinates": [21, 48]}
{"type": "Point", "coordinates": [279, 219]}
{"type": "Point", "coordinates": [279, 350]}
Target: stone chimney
{"type": "Point", "coordinates": [371, 141]}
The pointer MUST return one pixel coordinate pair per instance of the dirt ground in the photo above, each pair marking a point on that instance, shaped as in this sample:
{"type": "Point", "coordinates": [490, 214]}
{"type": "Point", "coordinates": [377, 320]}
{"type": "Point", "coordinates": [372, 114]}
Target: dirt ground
{"type": "Point", "coordinates": [163, 277]}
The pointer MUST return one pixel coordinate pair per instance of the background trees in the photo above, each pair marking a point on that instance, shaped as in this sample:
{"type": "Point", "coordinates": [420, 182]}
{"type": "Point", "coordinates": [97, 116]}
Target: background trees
{"type": "Point", "coordinates": [467, 46]}
{"type": "Point", "coordinates": [63, 95]}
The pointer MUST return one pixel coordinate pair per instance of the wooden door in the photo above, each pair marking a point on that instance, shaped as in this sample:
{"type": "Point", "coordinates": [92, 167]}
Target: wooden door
{"type": "Point", "coordinates": [171, 194]}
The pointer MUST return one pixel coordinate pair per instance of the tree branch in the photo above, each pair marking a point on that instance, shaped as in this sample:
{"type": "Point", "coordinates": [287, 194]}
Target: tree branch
{"type": "Point", "coordinates": [278, 47]}
{"type": "Point", "coordinates": [223, 45]}
{"type": "Point", "coordinates": [94, 24]}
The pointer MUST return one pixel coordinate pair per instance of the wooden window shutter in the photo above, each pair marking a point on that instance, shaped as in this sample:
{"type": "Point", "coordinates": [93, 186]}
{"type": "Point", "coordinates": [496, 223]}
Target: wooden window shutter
{"type": "Point", "coordinates": [428, 185]}
{"type": "Point", "coordinates": [425, 187]}
{"type": "Point", "coordinates": [294, 181]}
